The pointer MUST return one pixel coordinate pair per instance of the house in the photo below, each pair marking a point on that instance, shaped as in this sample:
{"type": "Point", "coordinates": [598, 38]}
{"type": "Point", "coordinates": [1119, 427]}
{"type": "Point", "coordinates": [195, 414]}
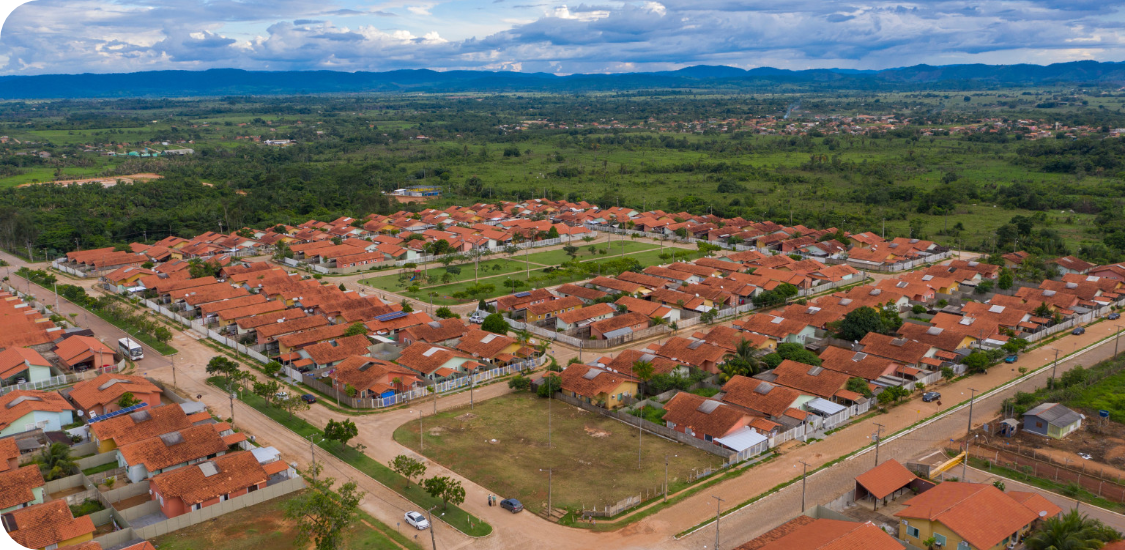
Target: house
{"type": "Point", "coordinates": [857, 363]}
{"type": "Point", "coordinates": [1069, 265]}
{"type": "Point", "coordinates": [900, 350]}
{"type": "Point", "coordinates": [111, 433]}
{"type": "Point", "coordinates": [695, 353]}
{"type": "Point", "coordinates": [779, 329]}
{"type": "Point", "coordinates": [587, 295]}
{"type": "Point", "coordinates": [516, 303]}
{"type": "Point", "coordinates": [625, 360]}
{"type": "Point", "coordinates": [372, 378]}
{"type": "Point", "coordinates": [25, 410]}
{"type": "Point", "coordinates": [597, 386]}
{"type": "Point", "coordinates": [760, 397]}
{"type": "Point", "coordinates": [9, 454]}
{"type": "Point", "coordinates": [652, 310]}
{"type": "Point", "coordinates": [489, 346]}
{"type": "Point", "coordinates": [434, 362]}
{"type": "Point", "coordinates": [23, 364]}
{"type": "Point", "coordinates": [208, 483]}
{"type": "Point", "coordinates": [84, 352]}
{"type": "Point", "coordinates": [1052, 420]}
{"type": "Point", "coordinates": [807, 533]}
{"type": "Point", "coordinates": [100, 395]}
{"type": "Point", "coordinates": [618, 326]}
{"type": "Point", "coordinates": [970, 516]}
{"type": "Point", "coordinates": [809, 379]}
{"type": "Point", "coordinates": [20, 488]}
{"type": "Point", "coordinates": [443, 332]}
{"type": "Point", "coordinates": [703, 418]}
{"type": "Point", "coordinates": [48, 525]}
{"type": "Point", "coordinates": [327, 354]}
{"type": "Point", "coordinates": [150, 457]}
{"type": "Point", "coordinates": [1013, 260]}
{"type": "Point", "coordinates": [552, 308]}
{"type": "Point", "coordinates": [885, 481]}
{"type": "Point", "coordinates": [584, 316]}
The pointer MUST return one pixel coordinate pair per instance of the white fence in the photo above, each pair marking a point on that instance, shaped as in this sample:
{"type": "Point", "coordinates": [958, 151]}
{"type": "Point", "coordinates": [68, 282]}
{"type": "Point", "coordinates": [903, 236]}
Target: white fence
{"type": "Point", "coordinates": [595, 344]}
{"type": "Point", "coordinates": [58, 381]}
{"type": "Point", "coordinates": [831, 285]}
{"type": "Point", "coordinates": [1071, 323]}
{"type": "Point", "coordinates": [903, 266]}
{"type": "Point", "coordinates": [201, 328]}
{"type": "Point", "coordinates": [68, 270]}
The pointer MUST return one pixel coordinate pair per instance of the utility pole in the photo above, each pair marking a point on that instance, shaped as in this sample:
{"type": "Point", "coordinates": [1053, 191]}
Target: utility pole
{"type": "Point", "coordinates": [232, 409]}
{"type": "Point", "coordinates": [878, 440]}
{"type": "Point", "coordinates": [1115, 339]}
{"type": "Point", "coordinates": [59, 311]}
{"type": "Point", "coordinates": [472, 384]}
{"type": "Point", "coordinates": [639, 432]}
{"type": "Point", "coordinates": [312, 451]}
{"type": "Point", "coordinates": [666, 478]}
{"type": "Point", "coordinates": [550, 475]}
{"type": "Point", "coordinates": [29, 254]}
{"type": "Point", "coordinates": [1055, 367]}
{"type": "Point", "coordinates": [718, 516]}
{"type": "Point", "coordinates": [804, 476]}
{"type": "Point", "coordinates": [433, 540]}
{"type": "Point", "coordinates": [76, 245]}
{"type": "Point", "coordinates": [968, 433]}
{"type": "Point", "coordinates": [173, 356]}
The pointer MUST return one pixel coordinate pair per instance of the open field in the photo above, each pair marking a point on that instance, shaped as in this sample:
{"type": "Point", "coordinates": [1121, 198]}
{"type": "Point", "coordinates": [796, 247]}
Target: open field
{"type": "Point", "coordinates": [263, 526]}
{"type": "Point", "coordinates": [502, 445]}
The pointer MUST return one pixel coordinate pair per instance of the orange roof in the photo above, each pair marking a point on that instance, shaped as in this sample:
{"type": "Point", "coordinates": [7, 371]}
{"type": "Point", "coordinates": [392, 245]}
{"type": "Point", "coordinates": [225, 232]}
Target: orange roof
{"type": "Point", "coordinates": [831, 534]}
{"type": "Point", "coordinates": [980, 514]}
{"type": "Point", "coordinates": [207, 480]}
{"type": "Point", "coordinates": [16, 485]}
{"type": "Point", "coordinates": [157, 453]}
{"type": "Point", "coordinates": [78, 349]}
{"type": "Point", "coordinates": [19, 403]}
{"type": "Point", "coordinates": [886, 478]}
{"type": "Point", "coordinates": [48, 523]}
{"type": "Point", "coordinates": [108, 388]}
{"type": "Point", "coordinates": [15, 360]}
{"type": "Point", "coordinates": [142, 424]}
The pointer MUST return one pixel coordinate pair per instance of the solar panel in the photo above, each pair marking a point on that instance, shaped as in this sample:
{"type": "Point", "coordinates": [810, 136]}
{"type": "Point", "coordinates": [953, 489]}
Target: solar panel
{"type": "Point", "coordinates": [845, 301]}
{"type": "Point", "coordinates": [875, 292]}
{"type": "Point", "coordinates": [523, 294]}
{"type": "Point", "coordinates": [117, 413]}
{"type": "Point", "coordinates": [708, 406]}
{"type": "Point", "coordinates": [1072, 285]}
{"type": "Point", "coordinates": [1048, 293]}
{"type": "Point", "coordinates": [996, 309]}
{"type": "Point", "coordinates": [812, 310]}
{"type": "Point", "coordinates": [777, 320]}
{"type": "Point", "coordinates": [391, 316]}
{"type": "Point", "coordinates": [902, 284]}
{"type": "Point", "coordinates": [966, 321]}
{"type": "Point", "coordinates": [434, 324]}
{"type": "Point", "coordinates": [488, 338]}
{"type": "Point", "coordinates": [695, 344]}
{"type": "Point", "coordinates": [974, 264]}
{"type": "Point", "coordinates": [927, 277]}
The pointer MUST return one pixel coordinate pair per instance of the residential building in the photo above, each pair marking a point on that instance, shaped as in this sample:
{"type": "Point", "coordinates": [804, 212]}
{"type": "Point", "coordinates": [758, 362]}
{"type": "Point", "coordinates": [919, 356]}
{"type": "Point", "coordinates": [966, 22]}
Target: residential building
{"type": "Point", "coordinates": [24, 364]}
{"type": "Point", "coordinates": [149, 457]}
{"type": "Point", "coordinates": [84, 352]}
{"type": "Point", "coordinates": [970, 516]}
{"type": "Point", "coordinates": [760, 397]}
{"type": "Point", "coordinates": [20, 488]}
{"type": "Point", "coordinates": [434, 362]}
{"type": "Point", "coordinates": [809, 379]}
{"type": "Point", "coordinates": [695, 353]}
{"type": "Point", "coordinates": [552, 308]}
{"type": "Point", "coordinates": [1052, 420]}
{"type": "Point", "coordinates": [204, 484]}
{"type": "Point", "coordinates": [488, 346]}
{"type": "Point", "coordinates": [100, 395]}
{"type": "Point", "coordinates": [597, 386]}
{"type": "Point", "coordinates": [703, 418]}
{"type": "Point", "coordinates": [806, 533]}
{"type": "Point", "coordinates": [48, 526]}
{"type": "Point", "coordinates": [584, 316]}
{"type": "Point", "coordinates": [618, 326]}
{"type": "Point", "coordinates": [24, 410]}
{"type": "Point", "coordinates": [111, 433]}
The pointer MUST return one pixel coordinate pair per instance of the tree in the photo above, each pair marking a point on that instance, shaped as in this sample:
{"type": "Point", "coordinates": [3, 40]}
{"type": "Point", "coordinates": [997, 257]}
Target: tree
{"type": "Point", "coordinates": [999, 485]}
{"type": "Point", "coordinates": [127, 400]}
{"type": "Point", "coordinates": [858, 385]}
{"type": "Point", "coordinates": [890, 318]}
{"type": "Point", "coordinates": [976, 362]}
{"type": "Point", "coordinates": [55, 461]}
{"type": "Point", "coordinates": [519, 383]}
{"type": "Point", "coordinates": [406, 307]}
{"type": "Point", "coordinates": [221, 366]}
{"type": "Point", "coordinates": [550, 386]}
{"type": "Point", "coordinates": [408, 467]}
{"type": "Point", "coordinates": [947, 373]}
{"type": "Point", "coordinates": [1006, 279]}
{"type": "Point", "coordinates": [643, 370]}
{"type": "Point", "coordinates": [340, 431]}
{"type": "Point", "coordinates": [322, 515]}
{"type": "Point", "coordinates": [1071, 531]}
{"type": "Point", "coordinates": [495, 323]}
{"type": "Point", "coordinates": [162, 334]}
{"type": "Point", "coordinates": [570, 250]}
{"type": "Point", "coordinates": [355, 329]}
{"type": "Point", "coordinates": [267, 390]}
{"type": "Point", "coordinates": [860, 321]}
{"type": "Point", "coordinates": [445, 488]}
{"type": "Point", "coordinates": [293, 403]}
{"type": "Point", "coordinates": [272, 368]}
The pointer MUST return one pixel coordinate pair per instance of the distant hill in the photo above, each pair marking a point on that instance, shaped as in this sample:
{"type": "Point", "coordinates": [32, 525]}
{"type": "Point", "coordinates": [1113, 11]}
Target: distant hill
{"type": "Point", "coordinates": [222, 82]}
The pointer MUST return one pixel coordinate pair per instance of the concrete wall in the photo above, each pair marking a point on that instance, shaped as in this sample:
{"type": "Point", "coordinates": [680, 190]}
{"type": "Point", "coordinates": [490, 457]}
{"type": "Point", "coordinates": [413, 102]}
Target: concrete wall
{"type": "Point", "coordinates": [210, 512]}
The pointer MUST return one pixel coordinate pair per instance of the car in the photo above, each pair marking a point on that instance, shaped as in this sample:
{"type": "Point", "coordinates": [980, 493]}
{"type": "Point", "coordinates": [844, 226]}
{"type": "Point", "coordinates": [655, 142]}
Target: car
{"type": "Point", "coordinates": [477, 317]}
{"type": "Point", "coordinates": [1011, 358]}
{"type": "Point", "coordinates": [282, 395]}
{"type": "Point", "coordinates": [1113, 316]}
{"type": "Point", "coordinates": [309, 398]}
{"type": "Point", "coordinates": [417, 520]}
{"type": "Point", "coordinates": [1079, 330]}
{"type": "Point", "coordinates": [511, 504]}
{"type": "Point", "coordinates": [1085, 456]}
{"type": "Point", "coordinates": [931, 396]}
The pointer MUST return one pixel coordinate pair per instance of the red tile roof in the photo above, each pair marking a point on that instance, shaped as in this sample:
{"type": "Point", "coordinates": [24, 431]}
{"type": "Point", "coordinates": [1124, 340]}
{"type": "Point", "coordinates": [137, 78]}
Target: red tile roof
{"type": "Point", "coordinates": [16, 485]}
{"type": "Point", "coordinates": [19, 403]}
{"type": "Point", "coordinates": [886, 478]}
{"type": "Point", "coordinates": [48, 523]}
{"type": "Point", "coordinates": [980, 514]}
{"type": "Point", "coordinates": [108, 388]}
{"type": "Point", "coordinates": [192, 484]}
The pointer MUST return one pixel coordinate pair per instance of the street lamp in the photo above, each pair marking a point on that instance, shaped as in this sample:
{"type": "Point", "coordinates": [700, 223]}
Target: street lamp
{"type": "Point", "coordinates": [804, 476]}
{"type": "Point", "coordinates": [232, 396]}
{"type": "Point", "coordinates": [968, 432]}
{"type": "Point", "coordinates": [718, 516]}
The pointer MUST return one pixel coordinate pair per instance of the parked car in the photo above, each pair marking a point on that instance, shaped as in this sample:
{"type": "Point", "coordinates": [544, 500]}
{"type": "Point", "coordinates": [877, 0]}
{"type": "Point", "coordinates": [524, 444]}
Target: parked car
{"type": "Point", "coordinates": [511, 504]}
{"type": "Point", "coordinates": [1011, 358]}
{"type": "Point", "coordinates": [1079, 330]}
{"type": "Point", "coordinates": [1113, 316]}
{"type": "Point", "coordinates": [931, 396]}
{"type": "Point", "coordinates": [282, 395]}
{"type": "Point", "coordinates": [309, 398]}
{"type": "Point", "coordinates": [1085, 456]}
{"type": "Point", "coordinates": [477, 317]}
{"type": "Point", "coordinates": [417, 520]}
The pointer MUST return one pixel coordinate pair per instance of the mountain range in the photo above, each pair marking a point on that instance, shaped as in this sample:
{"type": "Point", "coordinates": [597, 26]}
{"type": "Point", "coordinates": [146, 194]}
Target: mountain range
{"type": "Point", "coordinates": [225, 82]}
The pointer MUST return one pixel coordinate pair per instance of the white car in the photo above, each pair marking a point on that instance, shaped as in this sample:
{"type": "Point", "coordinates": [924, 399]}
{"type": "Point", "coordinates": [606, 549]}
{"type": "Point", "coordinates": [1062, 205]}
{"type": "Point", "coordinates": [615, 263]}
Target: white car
{"type": "Point", "coordinates": [417, 520]}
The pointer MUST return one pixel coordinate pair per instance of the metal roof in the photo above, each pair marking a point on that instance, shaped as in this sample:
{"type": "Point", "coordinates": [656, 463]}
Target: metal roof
{"type": "Point", "coordinates": [741, 440]}
{"type": "Point", "coordinates": [824, 406]}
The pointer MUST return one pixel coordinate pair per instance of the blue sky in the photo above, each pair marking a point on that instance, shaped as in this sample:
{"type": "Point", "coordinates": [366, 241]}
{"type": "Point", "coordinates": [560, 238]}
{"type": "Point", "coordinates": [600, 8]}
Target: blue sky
{"type": "Point", "coordinates": [98, 36]}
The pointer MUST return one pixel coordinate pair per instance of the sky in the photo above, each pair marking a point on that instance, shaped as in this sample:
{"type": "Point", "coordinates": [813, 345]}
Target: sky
{"type": "Point", "coordinates": [100, 36]}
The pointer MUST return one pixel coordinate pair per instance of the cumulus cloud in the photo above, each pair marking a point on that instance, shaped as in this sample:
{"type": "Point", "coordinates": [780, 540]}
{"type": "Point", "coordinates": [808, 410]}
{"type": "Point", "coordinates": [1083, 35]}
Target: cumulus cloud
{"type": "Point", "coordinates": [612, 36]}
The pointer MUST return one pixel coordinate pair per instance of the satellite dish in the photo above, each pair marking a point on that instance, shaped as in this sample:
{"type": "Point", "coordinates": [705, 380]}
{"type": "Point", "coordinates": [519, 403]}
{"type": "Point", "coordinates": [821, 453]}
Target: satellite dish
{"type": "Point", "coordinates": [81, 413]}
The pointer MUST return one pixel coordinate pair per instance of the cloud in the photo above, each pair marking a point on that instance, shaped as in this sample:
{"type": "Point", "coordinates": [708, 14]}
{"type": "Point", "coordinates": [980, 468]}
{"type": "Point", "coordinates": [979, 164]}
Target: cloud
{"type": "Point", "coordinates": [612, 36]}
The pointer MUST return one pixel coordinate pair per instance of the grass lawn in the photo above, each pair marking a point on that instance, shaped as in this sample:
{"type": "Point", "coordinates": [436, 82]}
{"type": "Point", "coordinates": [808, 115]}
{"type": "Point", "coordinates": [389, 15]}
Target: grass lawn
{"type": "Point", "coordinates": [263, 526]}
{"type": "Point", "coordinates": [594, 457]}
{"type": "Point", "coordinates": [556, 257]}
{"type": "Point", "coordinates": [100, 469]}
{"type": "Point", "coordinates": [456, 517]}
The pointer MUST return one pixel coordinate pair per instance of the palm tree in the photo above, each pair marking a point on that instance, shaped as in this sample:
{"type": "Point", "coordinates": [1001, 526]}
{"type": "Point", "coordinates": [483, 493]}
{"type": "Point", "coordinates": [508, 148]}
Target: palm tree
{"type": "Point", "coordinates": [55, 462]}
{"type": "Point", "coordinates": [1071, 531]}
{"type": "Point", "coordinates": [746, 351]}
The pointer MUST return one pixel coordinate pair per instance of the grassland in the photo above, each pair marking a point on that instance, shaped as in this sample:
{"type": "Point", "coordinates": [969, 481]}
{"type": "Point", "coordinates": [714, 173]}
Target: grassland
{"type": "Point", "coordinates": [264, 526]}
{"type": "Point", "coordinates": [502, 445]}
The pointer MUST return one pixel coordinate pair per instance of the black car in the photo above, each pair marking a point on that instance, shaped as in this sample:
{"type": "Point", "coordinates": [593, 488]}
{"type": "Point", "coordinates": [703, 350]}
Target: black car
{"type": "Point", "coordinates": [309, 398]}
{"type": "Point", "coordinates": [511, 504]}
{"type": "Point", "coordinates": [1113, 316]}
{"type": "Point", "coordinates": [931, 396]}
{"type": "Point", "coordinates": [1079, 330]}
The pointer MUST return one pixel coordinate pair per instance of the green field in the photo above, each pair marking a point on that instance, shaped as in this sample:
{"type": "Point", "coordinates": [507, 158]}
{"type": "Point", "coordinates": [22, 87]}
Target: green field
{"type": "Point", "coordinates": [263, 526]}
{"type": "Point", "coordinates": [502, 445]}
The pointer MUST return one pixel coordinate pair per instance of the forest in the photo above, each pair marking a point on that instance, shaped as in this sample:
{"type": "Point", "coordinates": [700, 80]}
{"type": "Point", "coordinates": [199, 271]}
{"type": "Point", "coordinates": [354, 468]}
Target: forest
{"type": "Point", "coordinates": [1040, 169]}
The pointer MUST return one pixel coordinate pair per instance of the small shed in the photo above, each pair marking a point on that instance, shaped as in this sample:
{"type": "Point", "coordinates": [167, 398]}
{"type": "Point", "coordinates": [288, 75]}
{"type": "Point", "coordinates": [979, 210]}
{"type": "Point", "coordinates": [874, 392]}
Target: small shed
{"type": "Point", "coordinates": [1052, 420]}
{"type": "Point", "coordinates": [884, 482]}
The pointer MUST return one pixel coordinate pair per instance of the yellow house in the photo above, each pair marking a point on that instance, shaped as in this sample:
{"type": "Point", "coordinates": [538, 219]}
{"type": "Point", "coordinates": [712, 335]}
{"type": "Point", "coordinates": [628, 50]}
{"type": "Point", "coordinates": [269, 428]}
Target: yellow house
{"type": "Point", "coordinates": [951, 513]}
{"type": "Point", "coordinates": [49, 525]}
{"type": "Point", "coordinates": [552, 308]}
{"type": "Point", "coordinates": [597, 386]}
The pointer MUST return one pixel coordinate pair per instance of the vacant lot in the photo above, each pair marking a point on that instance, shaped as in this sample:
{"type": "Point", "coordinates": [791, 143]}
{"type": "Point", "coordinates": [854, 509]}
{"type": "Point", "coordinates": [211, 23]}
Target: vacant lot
{"type": "Point", "coordinates": [502, 445]}
{"type": "Point", "coordinates": [264, 526]}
